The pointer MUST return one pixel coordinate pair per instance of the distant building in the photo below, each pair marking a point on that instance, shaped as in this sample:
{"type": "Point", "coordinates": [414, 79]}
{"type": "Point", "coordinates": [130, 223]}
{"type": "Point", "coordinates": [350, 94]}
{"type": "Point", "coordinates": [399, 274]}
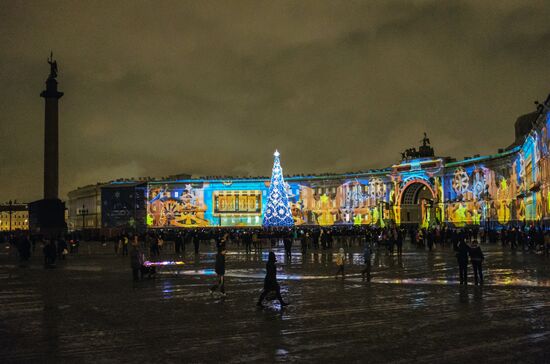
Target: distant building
{"type": "Point", "coordinates": [84, 208]}
{"type": "Point", "coordinates": [19, 214]}
{"type": "Point", "coordinates": [123, 207]}
{"type": "Point", "coordinates": [123, 199]}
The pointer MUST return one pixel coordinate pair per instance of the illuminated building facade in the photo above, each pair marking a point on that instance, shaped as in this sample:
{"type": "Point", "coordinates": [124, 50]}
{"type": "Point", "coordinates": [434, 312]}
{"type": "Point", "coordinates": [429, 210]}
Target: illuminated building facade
{"type": "Point", "coordinates": [509, 187]}
{"type": "Point", "coordinates": [14, 217]}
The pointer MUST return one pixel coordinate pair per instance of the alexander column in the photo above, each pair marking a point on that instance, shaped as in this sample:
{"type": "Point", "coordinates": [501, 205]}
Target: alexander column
{"type": "Point", "coordinates": [47, 216]}
{"type": "Point", "coordinates": [51, 133]}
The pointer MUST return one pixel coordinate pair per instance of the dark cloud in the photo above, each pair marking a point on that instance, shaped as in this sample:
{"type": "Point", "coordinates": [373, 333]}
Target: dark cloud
{"type": "Point", "coordinates": [158, 88]}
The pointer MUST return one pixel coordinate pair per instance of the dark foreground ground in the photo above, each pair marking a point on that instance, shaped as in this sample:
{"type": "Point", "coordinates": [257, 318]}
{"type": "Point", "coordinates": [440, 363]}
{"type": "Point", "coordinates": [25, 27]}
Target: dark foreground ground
{"type": "Point", "coordinates": [88, 310]}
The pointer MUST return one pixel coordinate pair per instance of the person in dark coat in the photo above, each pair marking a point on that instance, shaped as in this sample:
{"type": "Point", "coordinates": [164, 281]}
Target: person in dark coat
{"type": "Point", "coordinates": [303, 242]}
{"type": "Point", "coordinates": [476, 257]}
{"type": "Point", "coordinates": [196, 243]}
{"type": "Point", "coordinates": [462, 251]}
{"type": "Point", "coordinates": [50, 253]}
{"type": "Point", "coordinates": [155, 247]}
{"type": "Point", "coordinates": [367, 253]}
{"type": "Point", "coordinates": [247, 239]}
{"type": "Point", "coordinates": [62, 248]}
{"type": "Point", "coordinates": [24, 248]}
{"type": "Point", "coordinates": [220, 270]}
{"type": "Point", "coordinates": [178, 243]}
{"type": "Point", "coordinates": [136, 260]}
{"type": "Point", "coordinates": [270, 281]}
{"type": "Point", "coordinates": [399, 242]}
{"type": "Point", "coordinates": [287, 241]}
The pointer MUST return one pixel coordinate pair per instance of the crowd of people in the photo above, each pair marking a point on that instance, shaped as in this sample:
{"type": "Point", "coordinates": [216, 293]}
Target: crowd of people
{"type": "Point", "coordinates": [464, 242]}
{"type": "Point", "coordinates": [149, 246]}
{"type": "Point", "coordinates": [526, 238]}
{"type": "Point", "coordinates": [53, 247]}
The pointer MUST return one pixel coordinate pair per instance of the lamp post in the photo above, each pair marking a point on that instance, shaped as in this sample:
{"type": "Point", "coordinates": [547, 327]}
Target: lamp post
{"type": "Point", "coordinates": [10, 210]}
{"type": "Point", "coordinates": [83, 212]}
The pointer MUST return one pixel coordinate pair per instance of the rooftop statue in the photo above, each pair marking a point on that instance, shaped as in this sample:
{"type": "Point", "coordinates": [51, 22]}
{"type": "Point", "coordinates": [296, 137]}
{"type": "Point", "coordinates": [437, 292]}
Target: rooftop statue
{"type": "Point", "coordinates": [53, 66]}
{"type": "Point", "coordinates": [426, 140]}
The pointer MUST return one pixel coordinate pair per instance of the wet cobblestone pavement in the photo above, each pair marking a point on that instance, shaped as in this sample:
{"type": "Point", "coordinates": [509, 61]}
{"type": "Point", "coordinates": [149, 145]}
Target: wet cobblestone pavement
{"type": "Point", "coordinates": [89, 310]}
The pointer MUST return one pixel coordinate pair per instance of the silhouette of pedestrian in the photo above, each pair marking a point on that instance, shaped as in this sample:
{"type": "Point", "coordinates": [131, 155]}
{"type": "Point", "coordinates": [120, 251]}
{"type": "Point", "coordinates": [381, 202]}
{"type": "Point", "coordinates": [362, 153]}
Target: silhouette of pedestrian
{"type": "Point", "coordinates": [476, 256]}
{"type": "Point", "coordinates": [287, 241]}
{"type": "Point", "coordinates": [50, 253]}
{"type": "Point", "coordinates": [270, 281]}
{"type": "Point", "coordinates": [462, 251]}
{"type": "Point", "coordinates": [220, 270]}
{"type": "Point", "coordinates": [367, 254]}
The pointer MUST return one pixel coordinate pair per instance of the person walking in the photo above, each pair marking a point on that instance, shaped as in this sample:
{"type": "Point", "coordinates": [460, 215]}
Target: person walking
{"type": "Point", "coordinates": [476, 256]}
{"type": "Point", "coordinates": [367, 254]}
{"type": "Point", "coordinates": [287, 242]}
{"type": "Point", "coordinates": [462, 250]}
{"type": "Point", "coordinates": [270, 282]}
{"type": "Point", "coordinates": [340, 261]}
{"type": "Point", "coordinates": [220, 270]}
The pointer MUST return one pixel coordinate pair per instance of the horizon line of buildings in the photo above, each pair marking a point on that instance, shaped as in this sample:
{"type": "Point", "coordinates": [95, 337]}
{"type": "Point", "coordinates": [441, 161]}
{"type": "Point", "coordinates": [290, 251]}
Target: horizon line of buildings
{"type": "Point", "coordinates": [508, 187]}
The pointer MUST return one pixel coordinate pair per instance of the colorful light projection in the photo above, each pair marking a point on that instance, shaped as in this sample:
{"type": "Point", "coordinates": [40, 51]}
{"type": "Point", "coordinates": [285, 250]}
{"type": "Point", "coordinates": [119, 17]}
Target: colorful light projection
{"type": "Point", "coordinates": [176, 205]}
{"type": "Point", "coordinates": [469, 190]}
{"type": "Point", "coordinates": [504, 189]}
{"type": "Point", "coordinates": [513, 186]}
{"type": "Point", "coordinates": [206, 203]}
{"type": "Point", "coordinates": [340, 201]}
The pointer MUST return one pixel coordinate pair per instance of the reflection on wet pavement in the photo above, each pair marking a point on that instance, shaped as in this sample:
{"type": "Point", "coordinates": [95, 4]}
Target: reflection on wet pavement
{"type": "Point", "coordinates": [259, 274]}
{"type": "Point", "coordinates": [88, 309]}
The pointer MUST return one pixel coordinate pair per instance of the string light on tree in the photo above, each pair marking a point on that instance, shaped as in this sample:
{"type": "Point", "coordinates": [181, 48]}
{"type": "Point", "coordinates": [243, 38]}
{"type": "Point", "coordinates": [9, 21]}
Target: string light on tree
{"type": "Point", "coordinates": [277, 211]}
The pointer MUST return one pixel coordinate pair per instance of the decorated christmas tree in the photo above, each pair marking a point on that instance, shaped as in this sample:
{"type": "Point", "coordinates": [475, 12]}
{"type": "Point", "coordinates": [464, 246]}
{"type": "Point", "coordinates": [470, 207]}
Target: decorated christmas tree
{"type": "Point", "coordinates": [277, 211]}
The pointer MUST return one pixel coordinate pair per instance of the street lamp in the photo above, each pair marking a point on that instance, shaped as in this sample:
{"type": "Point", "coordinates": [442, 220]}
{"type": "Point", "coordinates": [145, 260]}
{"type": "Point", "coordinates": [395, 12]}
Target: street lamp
{"type": "Point", "coordinates": [10, 210]}
{"type": "Point", "coordinates": [83, 213]}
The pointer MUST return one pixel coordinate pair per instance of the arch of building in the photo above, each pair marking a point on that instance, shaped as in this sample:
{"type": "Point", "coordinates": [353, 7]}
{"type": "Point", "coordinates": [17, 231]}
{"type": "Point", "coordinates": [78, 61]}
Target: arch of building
{"type": "Point", "coordinates": [415, 202]}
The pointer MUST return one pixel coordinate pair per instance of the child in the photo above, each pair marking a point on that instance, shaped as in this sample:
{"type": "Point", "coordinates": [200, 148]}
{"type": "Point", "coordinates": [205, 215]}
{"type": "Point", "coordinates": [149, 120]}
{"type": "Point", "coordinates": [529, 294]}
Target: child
{"type": "Point", "coordinates": [340, 260]}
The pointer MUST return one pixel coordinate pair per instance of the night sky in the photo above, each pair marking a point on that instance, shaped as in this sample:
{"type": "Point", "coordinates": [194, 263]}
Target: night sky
{"type": "Point", "coordinates": [157, 88]}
